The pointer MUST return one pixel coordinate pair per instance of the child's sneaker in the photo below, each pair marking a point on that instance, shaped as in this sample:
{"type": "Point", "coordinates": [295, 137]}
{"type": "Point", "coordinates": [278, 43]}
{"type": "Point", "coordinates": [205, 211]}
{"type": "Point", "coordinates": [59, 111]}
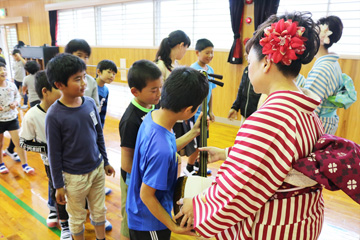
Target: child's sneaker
{"type": "Point", "coordinates": [65, 231]}
{"type": "Point", "coordinates": [24, 107]}
{"type": "Point", "coordinates": [3, 169]}
{"type": "Point", "coordinates": [196, 168]}
{"type": "Point", "coordinates": [107, 191]}
{"type": "Point", "coordinates": [52, 219]}
{"type": "Point", "coordinates": [27, 168]}
{"type": "Point", "coordinates": [14, 156]}
{"type": "Point", "coordinates": [188, 173]}
{"type": "Point", "coordinates": [108, 226]}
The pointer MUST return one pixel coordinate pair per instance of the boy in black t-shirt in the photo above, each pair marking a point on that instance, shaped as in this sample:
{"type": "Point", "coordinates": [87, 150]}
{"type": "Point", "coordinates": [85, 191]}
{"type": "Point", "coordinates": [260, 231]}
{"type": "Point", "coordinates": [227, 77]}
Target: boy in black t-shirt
{"type": "Point", "coordinates": [145, 82]}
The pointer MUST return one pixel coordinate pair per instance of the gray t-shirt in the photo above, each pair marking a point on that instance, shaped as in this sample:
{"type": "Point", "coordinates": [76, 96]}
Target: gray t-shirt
{"type": "Point", "coordinates": [29, 82]}
{"type": "Point", "coordinates": [92, 90]}
{"type": "Point", "coordinates": [19, 71]}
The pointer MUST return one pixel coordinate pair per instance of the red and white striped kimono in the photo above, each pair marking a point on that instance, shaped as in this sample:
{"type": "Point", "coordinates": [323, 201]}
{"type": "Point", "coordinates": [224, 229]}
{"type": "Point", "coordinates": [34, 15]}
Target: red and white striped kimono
{"type": "Point", "coordinates": [238, 204]}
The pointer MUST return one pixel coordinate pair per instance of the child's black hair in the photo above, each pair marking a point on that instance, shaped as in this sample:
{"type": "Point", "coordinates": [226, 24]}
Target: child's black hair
{"type": "Point", "coordinates": [105, 65]}
{"type": "Point", "coordinates": [62, 67]}
{"type": "Point", "coordinates": [184, 87]}
{"type": "Point", "coordinates": [335, 25]}
{"type": "Point", "coordinates": [78, 45]}
{"type": "Point", "coordinates": [141, 72]}
{"type": "Point", "coordinates": [312, 44]}
{"type": "Point", "coordinates": [2, 65]}
{"type": "Point", "coordinates": [2, 60]}
{"type": "Point", "coordinates": [174, 38]}
{"type": "Point", "coordinates": [32, 67]}
{"type": "Point", "coordinates": [203, 43]}
{"type": "Point", "coordinates": [15, 51]}
{"type": "Point", "coordinates": [41, 82]}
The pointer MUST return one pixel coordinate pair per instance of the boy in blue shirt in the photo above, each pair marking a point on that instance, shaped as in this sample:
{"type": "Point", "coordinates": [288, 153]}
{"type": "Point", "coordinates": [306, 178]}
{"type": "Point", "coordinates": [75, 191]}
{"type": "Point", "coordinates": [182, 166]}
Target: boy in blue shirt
{"type": "Point", "coordinates": [105, 73]}
{"type": "Point", "coordinates": [145, 83]}
{"type": "Point", "coordinates": [76, 147]}
{"type": "Point", "coordinates": [205, 52]}
{"type": "Point", "coordinates": [154, 169]}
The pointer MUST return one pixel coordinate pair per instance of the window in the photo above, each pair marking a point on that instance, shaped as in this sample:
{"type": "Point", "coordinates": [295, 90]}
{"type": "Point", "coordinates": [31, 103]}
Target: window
{"type": "Point", "coordinates": [128, 24]}
{"type": "Point", "coordinates": [145, 23]}
{"type": "Point", "coordinates": [75, 23]}
{"type": "Point", "coordinates": [347, 10]}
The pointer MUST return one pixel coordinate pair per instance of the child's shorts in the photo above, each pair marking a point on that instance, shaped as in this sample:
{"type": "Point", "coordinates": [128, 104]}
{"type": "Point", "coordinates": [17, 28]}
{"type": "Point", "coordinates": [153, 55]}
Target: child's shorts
{"type": "Point", "coordinates": [9, 126]}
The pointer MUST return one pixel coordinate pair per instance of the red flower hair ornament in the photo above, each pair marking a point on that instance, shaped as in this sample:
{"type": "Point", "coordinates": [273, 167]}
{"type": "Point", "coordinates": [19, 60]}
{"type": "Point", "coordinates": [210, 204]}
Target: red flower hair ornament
{"type": "Point", "coordinates": [283, 41]}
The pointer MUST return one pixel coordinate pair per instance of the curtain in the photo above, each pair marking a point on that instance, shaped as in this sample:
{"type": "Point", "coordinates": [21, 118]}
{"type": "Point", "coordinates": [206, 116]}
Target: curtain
{"type": "Point", "coordinates": [236, 15]}
{"type": "Point", "coordinates": [263, 9]}
{"type": "Point", "coordinates": [53, 27]}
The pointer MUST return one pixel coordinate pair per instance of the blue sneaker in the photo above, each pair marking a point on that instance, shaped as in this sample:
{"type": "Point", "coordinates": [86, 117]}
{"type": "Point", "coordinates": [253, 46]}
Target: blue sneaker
{"type": "Point", "coordinates": [107, 191]}
{"type": "Point", "coordinates": [108, 226]}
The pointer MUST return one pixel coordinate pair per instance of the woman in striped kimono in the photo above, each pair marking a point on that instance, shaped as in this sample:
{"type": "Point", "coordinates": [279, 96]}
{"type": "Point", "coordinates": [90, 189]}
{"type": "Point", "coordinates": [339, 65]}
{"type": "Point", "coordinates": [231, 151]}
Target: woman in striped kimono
{"type": "Point", "coordinates": [325, 78]}
{"type": "Point", "coordinates": [256, 193]}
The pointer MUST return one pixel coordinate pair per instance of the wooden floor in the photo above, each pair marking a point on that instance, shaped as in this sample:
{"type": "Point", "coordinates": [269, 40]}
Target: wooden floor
{"type": "Point", "coordinates": [23, 197]}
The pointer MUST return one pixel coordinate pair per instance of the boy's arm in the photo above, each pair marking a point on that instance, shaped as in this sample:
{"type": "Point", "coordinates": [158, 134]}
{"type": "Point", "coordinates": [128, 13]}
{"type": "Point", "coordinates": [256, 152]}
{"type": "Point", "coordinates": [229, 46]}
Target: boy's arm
{"type": "Point", "coordinates": [100, 138]}
{"type": "Point", "coordinates": [17, 97]}
{"type": "Point", "coordinates": [21, 58]}
{"type": "Point", "coordinates": [182, 141]}
{"type": "Point", "coordinates": [24, 89]}
{"type": "Point", "coordinates": [147, 195]}
{"type": "Point", "coordinates": [211, 114]}
{"type": "Point", "coordinates": [95, 95]}
{"type": "Point", "coordinates": [127, 156]}
{"type": "Point", "coordinates": [53, 129]}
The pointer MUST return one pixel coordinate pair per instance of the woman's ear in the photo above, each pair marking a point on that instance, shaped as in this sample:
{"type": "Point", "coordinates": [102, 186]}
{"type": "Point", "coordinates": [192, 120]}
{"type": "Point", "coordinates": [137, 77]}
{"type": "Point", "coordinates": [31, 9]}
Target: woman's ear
{"type": "Point", "coordinates": [267, 64]}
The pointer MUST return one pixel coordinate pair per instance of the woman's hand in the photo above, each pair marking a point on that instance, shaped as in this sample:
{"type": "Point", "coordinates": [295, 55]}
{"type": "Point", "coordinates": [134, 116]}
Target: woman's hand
{"type": "Point", "coordinates": [187, 211]}
{"type": "Point", "coordinates": [232, 115]}
{"type": "Point", "coordinates": [214, 153]}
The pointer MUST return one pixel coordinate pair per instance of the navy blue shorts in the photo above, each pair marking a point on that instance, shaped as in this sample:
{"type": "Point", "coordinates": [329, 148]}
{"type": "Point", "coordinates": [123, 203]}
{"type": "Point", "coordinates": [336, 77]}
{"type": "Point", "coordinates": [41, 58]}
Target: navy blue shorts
{"type": "Point", "coordinates": [9, 126]}
{"type": "Point", "coordinates": [150, 235]}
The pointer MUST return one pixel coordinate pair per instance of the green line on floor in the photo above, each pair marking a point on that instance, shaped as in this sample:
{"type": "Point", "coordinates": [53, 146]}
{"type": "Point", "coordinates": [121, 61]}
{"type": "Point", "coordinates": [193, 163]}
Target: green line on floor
{"type": "Point", "coordinates": [28, 209]}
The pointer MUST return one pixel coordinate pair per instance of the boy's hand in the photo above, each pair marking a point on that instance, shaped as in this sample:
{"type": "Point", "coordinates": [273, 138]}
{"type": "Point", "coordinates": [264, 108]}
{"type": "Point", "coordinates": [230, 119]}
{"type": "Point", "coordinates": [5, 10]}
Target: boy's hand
{"type": "Point", "coordinates": [109, 170]}
{"type": "Point", "coordinates": [13, 105]}
{"type": "Point", "coordinates": [60, 196]}
{"type": "Point", "coordinates": [197, 124]}
{"type": "Point", "coordinates": [184, 230]}
{"type": "Point", "coordinates": [212, 116]}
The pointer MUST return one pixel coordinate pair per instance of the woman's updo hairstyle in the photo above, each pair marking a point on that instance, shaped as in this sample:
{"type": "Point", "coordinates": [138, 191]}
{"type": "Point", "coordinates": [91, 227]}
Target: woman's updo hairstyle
{"type": "Point", "coordinates": [335, 26]}
{"type": "Point", "coordinates": [311, 44]}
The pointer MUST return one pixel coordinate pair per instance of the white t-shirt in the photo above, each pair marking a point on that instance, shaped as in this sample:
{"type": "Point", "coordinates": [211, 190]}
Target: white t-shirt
{"type": "Point", "coordinates": [8, 95]}
{"type": "Point", "coordinates": [33, 127]}
{"type": "Point", "coordinates": [29, 82]}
